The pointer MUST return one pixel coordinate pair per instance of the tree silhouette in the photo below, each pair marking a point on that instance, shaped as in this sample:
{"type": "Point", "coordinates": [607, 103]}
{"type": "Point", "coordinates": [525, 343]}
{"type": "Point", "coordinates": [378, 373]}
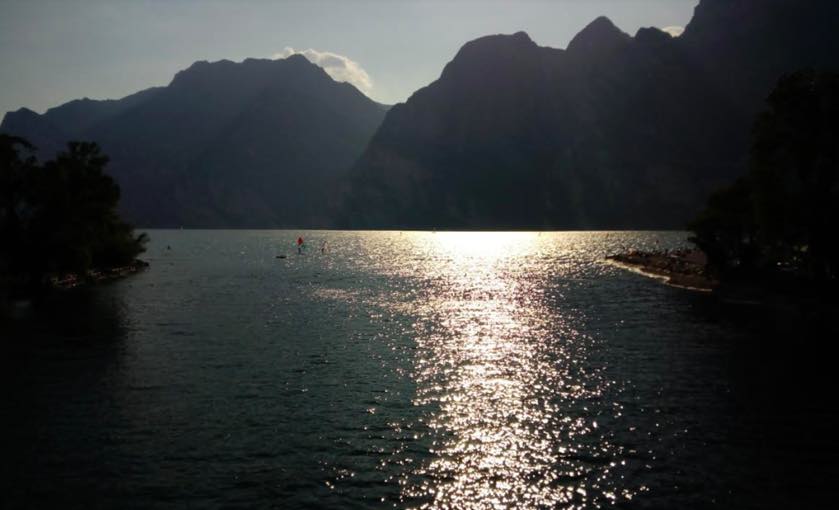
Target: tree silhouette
{"type": "Point", "coordinates": [783, 216]}
{"type": "Point", "coordinates": [59, 217]}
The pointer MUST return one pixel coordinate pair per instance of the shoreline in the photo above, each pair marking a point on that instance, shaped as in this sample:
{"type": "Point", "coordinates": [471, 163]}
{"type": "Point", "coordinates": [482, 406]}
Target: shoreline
{"type": "Point", "coordinates": [685, 269]}
{"type": "Point", "coordinates": [688, 269]}
{"type": "Point", "coordinates": [15, 303]}
{"type": "Point", "coordinates": [97, 276]}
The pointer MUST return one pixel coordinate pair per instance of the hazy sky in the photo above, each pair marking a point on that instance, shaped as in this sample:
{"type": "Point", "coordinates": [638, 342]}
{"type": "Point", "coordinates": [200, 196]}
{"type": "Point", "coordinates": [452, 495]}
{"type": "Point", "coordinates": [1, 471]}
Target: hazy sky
{"type": "Point", "coordinates": [55, 51]}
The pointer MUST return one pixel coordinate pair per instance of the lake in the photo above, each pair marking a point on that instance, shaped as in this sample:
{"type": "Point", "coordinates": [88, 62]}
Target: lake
{"type": "Point", "coordinates": [415, 369]}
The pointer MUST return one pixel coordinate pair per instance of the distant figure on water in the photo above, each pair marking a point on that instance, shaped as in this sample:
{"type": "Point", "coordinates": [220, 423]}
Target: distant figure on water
{"type": "Point", "coordinates": [299, 245]}
{"type": "Point", "coordinates": [323, 247]}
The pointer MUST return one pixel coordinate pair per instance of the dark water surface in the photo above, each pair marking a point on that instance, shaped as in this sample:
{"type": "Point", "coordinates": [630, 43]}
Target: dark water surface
{"type": "Point", "coordinates": [446, 370]}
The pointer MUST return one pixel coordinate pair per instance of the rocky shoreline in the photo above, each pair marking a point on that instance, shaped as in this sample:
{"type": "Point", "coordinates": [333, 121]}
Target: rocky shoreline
{"type": "Point", "coordinates": [679, 268]}
{"type": "Point", "coordinates": [97, 276]}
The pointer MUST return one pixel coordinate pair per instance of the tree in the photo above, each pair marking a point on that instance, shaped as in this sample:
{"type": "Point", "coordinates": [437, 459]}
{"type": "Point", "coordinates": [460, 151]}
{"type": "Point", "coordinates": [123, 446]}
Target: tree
{"type": "Point", "coordinates": [726, 229]}
{"type": "Point", "coordinates": [60, 217]}
{"type": "Point", "coordinates": [16, 167]}
{"type": "Point", "coordinates": [784, 215]}
{"type": "Point", "coordinates": [795, 169]}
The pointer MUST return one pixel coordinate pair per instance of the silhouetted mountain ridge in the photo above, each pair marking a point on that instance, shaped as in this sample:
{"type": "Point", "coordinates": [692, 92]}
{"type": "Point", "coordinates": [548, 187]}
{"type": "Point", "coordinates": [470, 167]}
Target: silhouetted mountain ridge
{"type": "Point", "coordinates": [259, 143]}
{"type": "Point", "coordinates": [614, 132]}
{"type": "Point", "coordinates": [601, 35]}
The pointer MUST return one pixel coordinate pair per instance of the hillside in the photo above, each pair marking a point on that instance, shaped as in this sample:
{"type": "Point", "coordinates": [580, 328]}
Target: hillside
{"type": "Point", "coordinates": [259, 143]}
{"type": "Point", "coordinates": [616, 131]}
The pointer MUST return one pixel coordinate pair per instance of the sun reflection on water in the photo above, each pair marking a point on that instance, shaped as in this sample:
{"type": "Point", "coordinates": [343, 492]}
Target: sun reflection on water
{"type": "Point", "coordinates": [515, 401]}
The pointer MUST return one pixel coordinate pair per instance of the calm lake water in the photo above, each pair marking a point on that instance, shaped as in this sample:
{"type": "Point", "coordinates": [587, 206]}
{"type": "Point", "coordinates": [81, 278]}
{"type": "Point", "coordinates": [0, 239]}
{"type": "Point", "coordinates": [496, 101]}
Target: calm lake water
{"type": "Point", "coordinates": [436, 370]}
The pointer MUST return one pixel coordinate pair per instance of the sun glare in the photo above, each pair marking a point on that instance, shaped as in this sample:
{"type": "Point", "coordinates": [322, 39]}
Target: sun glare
{"type": "Point", "coordinates": [484, 245]}
{"type": "Point", "coordinates": [491, 356]}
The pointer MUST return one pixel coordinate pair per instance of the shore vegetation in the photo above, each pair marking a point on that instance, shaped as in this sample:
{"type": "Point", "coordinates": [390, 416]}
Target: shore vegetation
{"type": "Point", "coordinates": [779, 222]}
{"type": "Point", "coordinates": [59, 218]}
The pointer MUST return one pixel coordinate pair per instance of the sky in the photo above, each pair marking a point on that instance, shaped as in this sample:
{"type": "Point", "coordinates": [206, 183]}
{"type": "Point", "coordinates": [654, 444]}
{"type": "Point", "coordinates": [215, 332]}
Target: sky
{"type": "Point", "coordinates": [53, 51]}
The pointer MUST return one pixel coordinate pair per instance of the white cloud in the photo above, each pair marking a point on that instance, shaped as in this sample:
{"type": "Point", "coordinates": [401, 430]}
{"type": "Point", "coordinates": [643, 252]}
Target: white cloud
{"type": "Point", "coordinates": [339, 67]}
{"type": "Point", "coordinates": [675, 30]}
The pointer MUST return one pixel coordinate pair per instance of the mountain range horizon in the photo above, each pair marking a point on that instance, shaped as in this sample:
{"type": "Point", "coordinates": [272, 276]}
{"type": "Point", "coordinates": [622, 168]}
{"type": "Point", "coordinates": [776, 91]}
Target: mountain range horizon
{"type": "Point", "coordinates": [614, 131]}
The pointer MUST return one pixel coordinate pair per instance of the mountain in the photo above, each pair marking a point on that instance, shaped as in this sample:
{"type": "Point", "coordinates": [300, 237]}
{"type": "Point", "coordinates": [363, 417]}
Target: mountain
{"type": "Point", "coordinates": [259, 143]}
{"type": "Point", "coordinates": [616, 131]}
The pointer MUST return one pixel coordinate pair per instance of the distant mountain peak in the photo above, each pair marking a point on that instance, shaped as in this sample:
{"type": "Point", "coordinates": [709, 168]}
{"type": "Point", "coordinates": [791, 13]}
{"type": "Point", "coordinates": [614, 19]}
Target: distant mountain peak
{"type": "Point", "coordinates": [714, 18]}
{"type": "Point", "coordinates": [652, 35]}
{"type": "Point", "coordinates": [495, 46]}
{"type": "Point", "coordinates": [296, 57]}
{"type": "Point", "coordinates": [253, 70]}
{"type": "Point", "coordinates": [496, 41]}
{"type": "Point", "coordinates": [601, 34]}
{"type": "Point", "coordinates": [601, 23]}
{"type": "Point", "coordinates": [486, 55]}
{"type": "Point", "coordinates": [23, 112]}
{"type": "Point", "coordinates": [522, 35]}
{"type": "Point", "coordinates": [259, 142]}
{"type": "Point", "coordinates": [14, 120]}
